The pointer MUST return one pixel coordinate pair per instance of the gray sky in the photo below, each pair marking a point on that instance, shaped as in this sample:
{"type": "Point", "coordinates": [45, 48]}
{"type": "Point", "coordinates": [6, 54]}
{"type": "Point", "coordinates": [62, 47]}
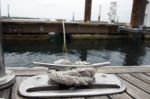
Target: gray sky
{"type": "Point", "coordinates": [56, 9]}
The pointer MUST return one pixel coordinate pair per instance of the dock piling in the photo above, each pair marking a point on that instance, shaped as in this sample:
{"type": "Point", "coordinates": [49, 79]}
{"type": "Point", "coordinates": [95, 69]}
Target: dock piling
{"type": "Point", "coordinates": [138, 13]}
{"type": "Point", "coordinates": [87, 13]}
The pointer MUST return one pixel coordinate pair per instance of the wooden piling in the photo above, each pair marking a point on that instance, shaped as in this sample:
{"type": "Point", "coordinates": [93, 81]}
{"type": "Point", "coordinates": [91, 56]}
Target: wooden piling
{"type": "Point", "coordinates": [87, 13]}
{"type": "Point", "coordinates": [138, 12]}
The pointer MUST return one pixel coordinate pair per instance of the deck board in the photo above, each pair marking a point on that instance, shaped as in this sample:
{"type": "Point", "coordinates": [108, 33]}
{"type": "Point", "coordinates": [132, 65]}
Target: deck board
{"type": "Point", "coordinates": [142, 76]}
{"type": "Point", "coordinates": [137, 83]}
{"type": "Point", "coordinates": [5, 93]}
{"type": "Point", "coordinates": [107, 69]}
{"type": "Point", "coordinates": [121, 96]}
{"type": "Point", "coordinates": [134, 91]}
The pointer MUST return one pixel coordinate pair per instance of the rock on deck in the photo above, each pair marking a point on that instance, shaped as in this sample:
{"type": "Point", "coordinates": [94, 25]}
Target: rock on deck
{"type": "Point", "coordinates": [136, 79]}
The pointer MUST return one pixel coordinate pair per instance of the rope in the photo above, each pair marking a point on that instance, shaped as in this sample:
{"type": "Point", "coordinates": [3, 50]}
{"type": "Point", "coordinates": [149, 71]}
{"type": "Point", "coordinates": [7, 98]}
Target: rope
{"type": "Point", "coordinates": [79, 76]}
{"type": "Point", "coordinates": [75, 77]}
{"type": "Point", "coordinates": [64, 38]}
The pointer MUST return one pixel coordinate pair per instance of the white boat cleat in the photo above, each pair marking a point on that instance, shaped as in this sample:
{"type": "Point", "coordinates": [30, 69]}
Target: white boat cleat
{"type": "Point", "coordinates": [70, 66]}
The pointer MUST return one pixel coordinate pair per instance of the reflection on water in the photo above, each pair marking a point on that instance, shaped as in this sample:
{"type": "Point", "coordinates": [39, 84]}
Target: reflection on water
{"type": "Point", "coordinates": [118, 52]}
{"type": "Point", "coordinates": [135, 52]}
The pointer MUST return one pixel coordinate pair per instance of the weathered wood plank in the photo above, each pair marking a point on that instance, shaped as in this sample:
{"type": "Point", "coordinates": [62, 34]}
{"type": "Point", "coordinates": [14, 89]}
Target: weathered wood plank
{"type": "Point", "coordinates": [136, 82]}
{"type": "Point", "coordinates": [25, 71]}
{"type": "Point", "coordinates": [5, 93]}
{"type": "Point", "coordinates": [106, 69]}
{"type": "Point", "coordinates": [142, 77]}
{"type": "Point", "coordinates": [124, 69]}
{"type": "Point", "coordinates": [121, 96]}
{"type": "Point", "coordinates": [135, 91]}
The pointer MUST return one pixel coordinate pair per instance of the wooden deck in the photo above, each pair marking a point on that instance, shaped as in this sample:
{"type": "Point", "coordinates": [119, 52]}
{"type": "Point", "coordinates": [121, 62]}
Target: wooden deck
{"type": "Point", "coordinates": [136, 79]}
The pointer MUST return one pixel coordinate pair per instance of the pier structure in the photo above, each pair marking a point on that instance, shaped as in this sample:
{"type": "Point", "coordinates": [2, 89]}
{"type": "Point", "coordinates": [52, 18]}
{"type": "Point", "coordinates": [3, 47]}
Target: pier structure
{"type": "Point", "coordinates": [140, 12]}
{"type": "Point", "coordinates": [11, 26]}
{"type": "Point", "coordinates": [41, 26]}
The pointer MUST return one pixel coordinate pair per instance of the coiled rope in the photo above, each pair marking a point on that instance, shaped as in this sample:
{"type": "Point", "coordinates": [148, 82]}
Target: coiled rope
{"type": "Point", "coordinates": [76, 77]}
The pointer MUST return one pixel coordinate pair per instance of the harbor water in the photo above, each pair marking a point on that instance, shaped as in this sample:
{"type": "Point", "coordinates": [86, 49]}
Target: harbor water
{"type": "Point", "coordinates": [123, 52]}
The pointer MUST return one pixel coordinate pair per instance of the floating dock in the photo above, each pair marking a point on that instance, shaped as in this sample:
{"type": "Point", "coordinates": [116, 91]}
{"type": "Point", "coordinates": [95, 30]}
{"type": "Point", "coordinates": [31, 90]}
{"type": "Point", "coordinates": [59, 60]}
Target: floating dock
{"type": "Point", "coordinates": [136, 79]}
{"type": "Point", "coordinates": [37, 26]}
{"type": "Point", "coordinates": [28, 29]}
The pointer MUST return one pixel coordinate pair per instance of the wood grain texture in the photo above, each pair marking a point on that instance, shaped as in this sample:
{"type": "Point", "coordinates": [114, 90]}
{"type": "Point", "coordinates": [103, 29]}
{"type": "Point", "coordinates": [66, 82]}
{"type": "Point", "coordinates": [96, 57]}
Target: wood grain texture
{"type": "Point", "coordinates": [142, 76]}
{"type": "Point", "coordinates": [124, 69]}
{"type": "Point", "coordinates": [137, 82]}
{"type": "Point", "coordinates": [25, 71]}
{"type": "Point", "coordinates": [120, 96]}
{"type": "Point", "coordinates": [134, 91]}
{"type": "Point", "coordinates": [6, 93]}
{"type": "Point", "coordinates": [106, 69]}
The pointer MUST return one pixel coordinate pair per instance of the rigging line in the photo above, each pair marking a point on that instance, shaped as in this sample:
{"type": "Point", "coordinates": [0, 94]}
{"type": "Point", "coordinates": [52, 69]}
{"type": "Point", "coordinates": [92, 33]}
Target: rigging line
{"type": "Point", "coordinates": [64, 38]}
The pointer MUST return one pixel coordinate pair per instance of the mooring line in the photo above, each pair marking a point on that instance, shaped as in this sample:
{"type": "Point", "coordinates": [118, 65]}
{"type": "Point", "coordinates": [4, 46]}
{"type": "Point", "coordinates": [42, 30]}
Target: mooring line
{"type": "Point", "coordinates": [64, 39]}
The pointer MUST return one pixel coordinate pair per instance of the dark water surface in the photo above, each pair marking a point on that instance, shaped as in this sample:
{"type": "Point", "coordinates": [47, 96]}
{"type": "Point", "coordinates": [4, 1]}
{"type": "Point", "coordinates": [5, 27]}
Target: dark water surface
{"type": "Point", "coordinates": [118, 52]}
